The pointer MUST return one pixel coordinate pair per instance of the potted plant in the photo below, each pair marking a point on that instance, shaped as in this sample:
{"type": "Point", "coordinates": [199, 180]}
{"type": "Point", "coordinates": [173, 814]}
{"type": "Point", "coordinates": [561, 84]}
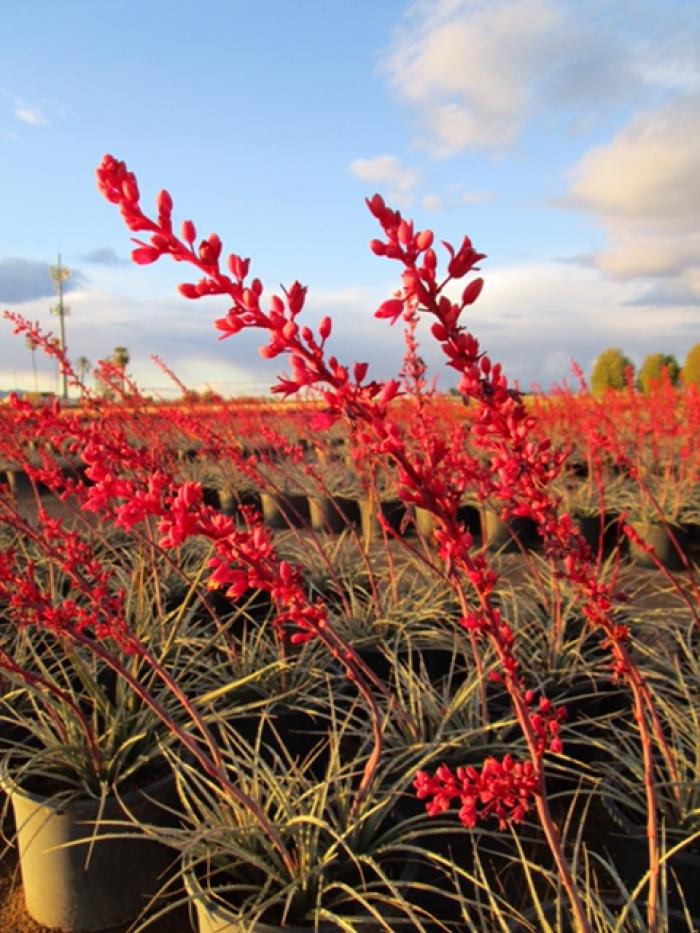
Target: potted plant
{"type": "Point", "coordinates": [658, 510]}
{"type": "Point", "coordinates": [343, 863]}
{"type": "Point", "coordinates": [589, 502]}
{"type": "Point", "coordinates": [677, 785]}
{"type": "Point", "coordinates": [333, 504]}
{"type": "Point", "coordinates": [284, 499]}
{"type": "Point", "coordinates": [88, 699]}
{"type": "Point", "coordinates": [85, 778]}
{"type": "Point", "coordinates": [380, 506]}
{"type": "Point", "coordinates": [499, 534]}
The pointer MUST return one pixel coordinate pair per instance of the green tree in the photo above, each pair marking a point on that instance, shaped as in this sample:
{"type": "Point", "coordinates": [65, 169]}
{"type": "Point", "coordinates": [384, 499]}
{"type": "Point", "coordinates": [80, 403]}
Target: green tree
{"type": "Point", "coordinates": [690, 374]}
{"type": "Point", "coordinates": [609, 370]}
{"type": "Point", "coordinates": [652, 366]}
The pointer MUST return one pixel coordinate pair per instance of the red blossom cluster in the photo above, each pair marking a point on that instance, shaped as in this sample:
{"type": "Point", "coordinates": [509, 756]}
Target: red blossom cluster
{"type": "Point", "coordinates": [87, 600]}
{"type": "Point", "coordinates": [501, 789]}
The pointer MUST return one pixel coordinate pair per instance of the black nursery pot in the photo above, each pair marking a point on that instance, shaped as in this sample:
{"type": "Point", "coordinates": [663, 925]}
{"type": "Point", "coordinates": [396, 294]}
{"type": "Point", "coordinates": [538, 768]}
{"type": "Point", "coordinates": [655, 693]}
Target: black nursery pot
{"type": "Point", "coordinates": [294, 731]}
{"type": "Point", "coordinates": [498, 535]}
{"type": "Point", "coordinates": [284, 510]}
{"type": "Point", "coordinates": [333, 515]}
{"type": "Point", "coordinates": [393, 512]}
{"type": "Point", "coordinates": [210, 497]}
{"type": "Point", "coordinates": [657, 536]}
{"type": "Point", "coordinates": [591, 529]}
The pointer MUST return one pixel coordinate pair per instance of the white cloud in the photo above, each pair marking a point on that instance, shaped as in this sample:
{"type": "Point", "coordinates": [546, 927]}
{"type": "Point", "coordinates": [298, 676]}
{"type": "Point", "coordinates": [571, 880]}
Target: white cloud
{"type": "Point", "coordinates": [474, 71]}
{"type": "Point", "coordinates": [30, 114]}
{"type": "Point", "coordinates": [476, 197]}
{"type": "Point", "coordinates": [432, 202]}
{"type": "Point", "coordinates": [104, 256]}
{"type": "Point", "coordinates": [456, 197]}
{"type": "Point", "coordinates": [388, 171]}
{"type": "Point", "coordinates": [174, 329]}
{"type": "Point", "coordinates": [33, 113]}
{"type": "Point", "coordinates": [643, 188]}
{"type": "Point", "coordinates": [536, 318]}
{"type": "Point", "coordinates": [466, 68]}
{"type": "Point", "coordinates": [24, 279]}
{"type": "Point", "coordinates": [182, 333]}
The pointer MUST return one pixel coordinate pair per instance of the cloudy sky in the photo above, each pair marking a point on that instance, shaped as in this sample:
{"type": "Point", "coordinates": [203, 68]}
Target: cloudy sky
{"type": "Point", "coordinates": [563, 136]}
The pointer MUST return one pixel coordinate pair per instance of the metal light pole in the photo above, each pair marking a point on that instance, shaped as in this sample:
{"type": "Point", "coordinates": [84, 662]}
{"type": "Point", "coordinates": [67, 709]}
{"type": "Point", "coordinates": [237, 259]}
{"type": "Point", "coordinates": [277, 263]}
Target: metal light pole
{"type": "Point", "coordinates": [60, 274]}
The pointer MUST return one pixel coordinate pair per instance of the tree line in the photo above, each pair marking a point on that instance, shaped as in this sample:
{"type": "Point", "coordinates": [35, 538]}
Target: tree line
{"type": "Point", "coordinates": [612, 369]}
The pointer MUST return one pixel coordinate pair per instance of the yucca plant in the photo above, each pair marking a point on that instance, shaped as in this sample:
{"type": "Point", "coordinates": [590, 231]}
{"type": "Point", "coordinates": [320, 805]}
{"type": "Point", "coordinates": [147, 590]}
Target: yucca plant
{"type": "Point", "coordinates": [349, 865]}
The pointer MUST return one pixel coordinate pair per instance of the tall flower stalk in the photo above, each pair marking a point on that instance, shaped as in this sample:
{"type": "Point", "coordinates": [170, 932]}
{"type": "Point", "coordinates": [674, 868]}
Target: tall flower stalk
{"type": "Point", "coordinates": [366, 407]}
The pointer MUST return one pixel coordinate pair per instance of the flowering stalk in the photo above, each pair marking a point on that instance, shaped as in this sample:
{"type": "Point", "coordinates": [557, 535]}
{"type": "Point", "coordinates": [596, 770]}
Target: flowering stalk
{"type": "Point", "coordinates": [514, 470]}
{"type": "Point", "coordinates": [366, 405]}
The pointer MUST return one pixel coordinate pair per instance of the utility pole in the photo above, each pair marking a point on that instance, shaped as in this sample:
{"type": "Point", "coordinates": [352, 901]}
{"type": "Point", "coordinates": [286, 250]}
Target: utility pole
{"type": "Point", "coordinates": [60, 274]}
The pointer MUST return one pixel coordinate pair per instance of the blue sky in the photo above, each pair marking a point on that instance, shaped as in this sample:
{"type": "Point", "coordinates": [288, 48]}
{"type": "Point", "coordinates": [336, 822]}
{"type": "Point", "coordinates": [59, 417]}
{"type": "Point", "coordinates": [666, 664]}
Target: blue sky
{"type": "Point", "coordinates": [562, 135]}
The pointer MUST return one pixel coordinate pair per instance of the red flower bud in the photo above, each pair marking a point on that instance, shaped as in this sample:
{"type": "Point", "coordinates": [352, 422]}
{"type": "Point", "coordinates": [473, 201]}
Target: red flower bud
{"type": "Point", "coordinates": [250, 299]}
{"type": "Point", "coordinates": [295, 297]}
{"type": "Point", "coordinates": [188, 290]}
{"type": "Point", "coordinates": [472, 291]}
{"type": "Point", "coordinates": [376, 206]}
{"type": "Point", "coordinates": [145, 255]}
{"type": "Point", "coordinates": [377, 247]}
{"type": "Point", "coordinates": [238, 267]}
{"type": "Point", "coordinates": [130, 189]}
{"type": "Point", "coordinates": [405, 232]}
{"type": "Point", "coordinates": [390, 391]}
{"type": "Point", "coordinates": [228, 325]}
{"type": "Point", "coordinates": [164, 204]}
{"type": "Point", "coordinates": [188, 232]}
{"type": "Point", "coordinates": [359, 371]}
{"type": "Point", "coordinates": [324, 328]}
{"type": "Point", "coordinates": [424, 240]}
{"type": "Point", "coordinates": [214, 247]}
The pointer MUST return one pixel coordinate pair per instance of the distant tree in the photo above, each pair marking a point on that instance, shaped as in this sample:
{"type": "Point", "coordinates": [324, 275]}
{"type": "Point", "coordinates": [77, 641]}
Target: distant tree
{"type": "Point", "coordinates": [82, 365]}
{"type": "Point", "coordinates": [652, 366]}
{"type": "Point", "coordinates": [690, 374]}
{"type": "Point", "coordinates": [121, 358]}
{"type": "Point", "coordinates": [609, 370]}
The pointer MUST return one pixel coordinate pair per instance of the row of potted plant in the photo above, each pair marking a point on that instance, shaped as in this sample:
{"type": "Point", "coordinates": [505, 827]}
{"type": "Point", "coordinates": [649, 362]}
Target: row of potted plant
{"type": "Point", "coordinates": [294, 737]}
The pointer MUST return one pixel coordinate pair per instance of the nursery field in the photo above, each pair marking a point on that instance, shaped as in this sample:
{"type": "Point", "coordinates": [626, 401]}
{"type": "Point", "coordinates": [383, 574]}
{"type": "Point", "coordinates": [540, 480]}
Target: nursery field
{"type": "Point", "coordinates": [289, 713]}
{"type": "Point", "coordinates": [382, 660]}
